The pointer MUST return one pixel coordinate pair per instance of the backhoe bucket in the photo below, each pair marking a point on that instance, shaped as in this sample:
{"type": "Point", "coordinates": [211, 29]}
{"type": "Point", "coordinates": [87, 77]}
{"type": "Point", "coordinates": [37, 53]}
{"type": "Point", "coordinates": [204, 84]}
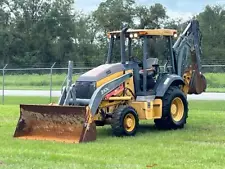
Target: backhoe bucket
{"type": "Point", "coordinates": [197, 84]}
{"type": "Point", "coordinates": [57, 123]}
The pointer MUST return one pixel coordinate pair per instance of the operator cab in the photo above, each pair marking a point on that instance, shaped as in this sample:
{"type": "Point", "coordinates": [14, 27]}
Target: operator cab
{"type": "Point", "coordinates": [137, 50]}
{"type": "Point", "coordinates": [152, 65]}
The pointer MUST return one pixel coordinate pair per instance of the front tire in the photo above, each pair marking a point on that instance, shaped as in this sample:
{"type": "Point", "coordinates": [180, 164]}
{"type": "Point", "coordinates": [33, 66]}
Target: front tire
{"type": "Point", "coordinates": [174, 111]}
{"type": "Point", "coordinates": [124, 121]}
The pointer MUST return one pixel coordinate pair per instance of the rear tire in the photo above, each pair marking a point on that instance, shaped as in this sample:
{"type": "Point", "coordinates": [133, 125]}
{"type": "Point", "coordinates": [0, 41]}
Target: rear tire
{"type": "Point", "coordinates": [124, 121]}
{"type": "Point", "coordinates": [174, 111]}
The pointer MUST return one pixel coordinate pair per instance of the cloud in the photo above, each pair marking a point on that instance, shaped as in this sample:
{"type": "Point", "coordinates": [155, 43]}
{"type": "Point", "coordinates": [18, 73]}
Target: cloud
{"type": "Point", "coordinates": [176, 8]}
{"type": "Point", "coordinates": [180, 15]}
{"type": "Point", "coordinates": [87, 6]}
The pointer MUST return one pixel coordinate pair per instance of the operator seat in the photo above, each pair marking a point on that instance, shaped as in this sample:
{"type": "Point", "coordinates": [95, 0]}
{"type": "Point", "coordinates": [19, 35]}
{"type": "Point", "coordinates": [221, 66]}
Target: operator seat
{"type": "Point", "coordinates": [151, 73]}
{"type": "Point", "coordinates": [152, 61]}
{"type": "Point", "coordinates": [150, 66]}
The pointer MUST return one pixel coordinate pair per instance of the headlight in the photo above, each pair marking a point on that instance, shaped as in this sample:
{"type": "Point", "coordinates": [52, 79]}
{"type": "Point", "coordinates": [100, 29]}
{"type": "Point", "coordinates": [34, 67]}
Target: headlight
{"type": "Point", "coordinates": [175, 35]}
{"type": "Point", "coordinates": [135, 35]}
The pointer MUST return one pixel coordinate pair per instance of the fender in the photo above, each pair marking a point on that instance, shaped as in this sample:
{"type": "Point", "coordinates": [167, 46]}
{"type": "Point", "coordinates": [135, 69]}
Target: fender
{"type": "Point", "coordinates": [165, 82]}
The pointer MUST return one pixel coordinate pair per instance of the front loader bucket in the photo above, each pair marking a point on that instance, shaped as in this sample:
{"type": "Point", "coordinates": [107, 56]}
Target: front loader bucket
{"type": "Point", "coordinates": [56, 123]}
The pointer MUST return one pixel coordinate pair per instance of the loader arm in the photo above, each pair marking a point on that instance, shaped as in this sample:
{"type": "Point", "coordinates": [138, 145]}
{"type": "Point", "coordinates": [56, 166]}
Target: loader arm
{"type": "Point", "coordinates": [103, 90]}
{"type": "Point", "coordinates": [189, 44]}
{"type": "Point", "coordinates": [69, 98]}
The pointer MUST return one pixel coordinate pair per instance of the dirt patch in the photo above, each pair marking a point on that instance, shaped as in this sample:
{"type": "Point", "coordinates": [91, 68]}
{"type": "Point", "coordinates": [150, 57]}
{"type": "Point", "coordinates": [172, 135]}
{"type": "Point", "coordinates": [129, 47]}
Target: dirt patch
{"type": "Point", "coordinates": [151, 166]}
{"type": "Point", "coordinates": [1, 163]}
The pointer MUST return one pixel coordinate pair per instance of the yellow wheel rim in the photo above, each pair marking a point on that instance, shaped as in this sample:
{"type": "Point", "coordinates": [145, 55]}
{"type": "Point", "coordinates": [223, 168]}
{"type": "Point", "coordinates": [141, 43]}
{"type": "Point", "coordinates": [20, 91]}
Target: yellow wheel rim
{"type": "Point", "coordinates": [177, 109]}
{"type": "Point", "coordinates": [129, 122]}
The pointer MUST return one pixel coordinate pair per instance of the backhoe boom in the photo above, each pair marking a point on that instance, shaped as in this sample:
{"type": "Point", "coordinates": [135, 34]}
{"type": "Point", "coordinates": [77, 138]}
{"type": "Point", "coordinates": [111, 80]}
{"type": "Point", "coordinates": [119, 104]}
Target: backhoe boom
{"type": "Point", "coordinates": [189, 44]}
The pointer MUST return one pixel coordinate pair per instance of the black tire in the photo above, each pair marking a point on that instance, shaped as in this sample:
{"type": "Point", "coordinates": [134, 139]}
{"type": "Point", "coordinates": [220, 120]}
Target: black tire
{"type": "Point", "coordinates": [118, 123]}
{"type": "Point", "coordinates": [99, 123]}
{"type": "Point", "coordinates": [168, 121]}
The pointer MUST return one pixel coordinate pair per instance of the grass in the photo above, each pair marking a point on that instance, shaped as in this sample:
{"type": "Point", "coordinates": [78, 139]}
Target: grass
{"type": "Point", "coordinates": [16, 100]}
{"type": "Point", "coordinates": [215, 81]}
{"type": "Point", "coordinates": [217, 90]}
{"type": "Point", "coordinates": [34, 81]}
{"type": "Point", "coordinates": [201, 144]}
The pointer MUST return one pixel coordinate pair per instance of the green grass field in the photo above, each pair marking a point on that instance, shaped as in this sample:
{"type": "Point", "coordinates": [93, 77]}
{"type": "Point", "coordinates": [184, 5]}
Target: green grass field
{"type": "Point", "coordinates": [216, 81]}
{"type": "Point", "coordinates": [201, 144]}
{"type": "Point", "coordinates": [16, 100]}
{"type": "Point", "coordinates": [34, 81]}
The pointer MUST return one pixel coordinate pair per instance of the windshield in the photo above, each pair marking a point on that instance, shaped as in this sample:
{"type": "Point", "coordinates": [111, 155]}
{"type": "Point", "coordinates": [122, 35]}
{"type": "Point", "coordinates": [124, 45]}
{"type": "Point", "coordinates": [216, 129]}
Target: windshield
{"type": "Point", "coordinates": [157, 47]}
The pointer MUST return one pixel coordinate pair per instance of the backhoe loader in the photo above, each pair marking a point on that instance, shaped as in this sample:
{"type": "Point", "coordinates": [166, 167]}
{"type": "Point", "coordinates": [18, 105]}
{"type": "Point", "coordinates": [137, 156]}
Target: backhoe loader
{"type": "Point", "coordinates": [121, 94]}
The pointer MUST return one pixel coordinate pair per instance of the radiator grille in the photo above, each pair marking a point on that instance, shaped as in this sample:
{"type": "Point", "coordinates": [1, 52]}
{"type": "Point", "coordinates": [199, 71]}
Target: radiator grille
{"type": "Point", "coordinates": [84, 90]}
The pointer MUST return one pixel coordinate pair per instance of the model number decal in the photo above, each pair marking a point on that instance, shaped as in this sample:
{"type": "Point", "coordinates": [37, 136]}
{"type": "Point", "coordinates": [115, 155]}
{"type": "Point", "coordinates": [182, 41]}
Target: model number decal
{"type": "Point", "coordinates": [104, 91]}
{"type": "Point", "coordinates": [108, 72]}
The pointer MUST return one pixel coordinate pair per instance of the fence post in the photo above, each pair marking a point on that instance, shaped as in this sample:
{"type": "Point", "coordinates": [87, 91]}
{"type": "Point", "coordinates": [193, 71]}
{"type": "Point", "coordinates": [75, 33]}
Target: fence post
{"type": "Point", "coordinates": [51, 81]}
{"type": "Point", "coordinates": [3, 84]}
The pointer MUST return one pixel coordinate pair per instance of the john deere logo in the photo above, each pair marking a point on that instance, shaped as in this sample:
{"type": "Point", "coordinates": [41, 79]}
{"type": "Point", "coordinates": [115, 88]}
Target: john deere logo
{"type": "Point", "coordinates": [104, 91]}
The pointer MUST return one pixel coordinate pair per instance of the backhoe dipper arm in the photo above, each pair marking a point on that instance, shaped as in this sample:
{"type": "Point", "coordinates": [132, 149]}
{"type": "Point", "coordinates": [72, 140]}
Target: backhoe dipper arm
{"type": "Point", "coordinates": [189, 44]}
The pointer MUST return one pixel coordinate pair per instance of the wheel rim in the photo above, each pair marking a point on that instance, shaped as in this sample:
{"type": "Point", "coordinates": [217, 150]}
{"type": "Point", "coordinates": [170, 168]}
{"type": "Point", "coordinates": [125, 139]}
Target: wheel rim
{"type": "Point", "coordinates": [129, 122]}
{"type": "Point", "coordinates": [177, 109]}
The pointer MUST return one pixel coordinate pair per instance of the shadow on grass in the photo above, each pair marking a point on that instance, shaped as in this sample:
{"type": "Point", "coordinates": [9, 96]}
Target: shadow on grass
{"type": "Point", "coordinates": [146, 128]}
{"type": "Point", "coordinates": [106, 131]}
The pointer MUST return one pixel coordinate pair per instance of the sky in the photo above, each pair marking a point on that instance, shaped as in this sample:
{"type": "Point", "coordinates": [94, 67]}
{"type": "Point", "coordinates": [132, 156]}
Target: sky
{"type": "Point", "coordinates": [175, 8]}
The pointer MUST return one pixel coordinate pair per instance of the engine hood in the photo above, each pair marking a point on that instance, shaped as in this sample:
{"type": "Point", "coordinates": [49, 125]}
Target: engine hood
{"type": "Point", "coordinates": [101, 72]}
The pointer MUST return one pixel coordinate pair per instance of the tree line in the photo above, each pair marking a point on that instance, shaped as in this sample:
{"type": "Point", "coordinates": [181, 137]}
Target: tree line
{"type": "Point", "coordinates": [34, 32]}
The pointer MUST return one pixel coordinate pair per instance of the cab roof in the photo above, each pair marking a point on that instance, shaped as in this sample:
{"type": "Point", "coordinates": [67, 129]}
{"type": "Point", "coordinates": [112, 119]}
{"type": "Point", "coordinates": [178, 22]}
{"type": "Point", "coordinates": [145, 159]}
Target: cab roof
{"type": "Point", "coordinates": [150, 32]}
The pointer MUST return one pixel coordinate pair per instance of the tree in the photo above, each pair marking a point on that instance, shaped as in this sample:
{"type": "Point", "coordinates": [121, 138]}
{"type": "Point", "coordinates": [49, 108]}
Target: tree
{"type": "Point", "coordinates": [4, 33]}
{"type": "Point", "coordinates": [34, 32]}
{"type": "Point", "coordinates": [111, 14]}
{"type": "Point", "coordinates": [151, 17]}
{"type": "Point", "coordinates": [41, 31]}
{"type": "Point", "coordinates": [172, 24]}
{"type": "Point", "coordinates": [87, 44]}
{"type": "Point", "coordinates": [212, 22]}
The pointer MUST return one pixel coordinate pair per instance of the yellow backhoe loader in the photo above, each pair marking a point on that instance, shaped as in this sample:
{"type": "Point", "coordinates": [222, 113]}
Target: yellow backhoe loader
{"type": "Point", "coordinates": [121, 94]}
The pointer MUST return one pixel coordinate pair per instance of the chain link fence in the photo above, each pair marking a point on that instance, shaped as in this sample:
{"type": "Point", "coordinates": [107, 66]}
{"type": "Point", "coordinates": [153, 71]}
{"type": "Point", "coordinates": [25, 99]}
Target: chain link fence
{"type": "Point", "coordinates": [45, 78]}
{"type": "Point", "coordinates": [51, 78]}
